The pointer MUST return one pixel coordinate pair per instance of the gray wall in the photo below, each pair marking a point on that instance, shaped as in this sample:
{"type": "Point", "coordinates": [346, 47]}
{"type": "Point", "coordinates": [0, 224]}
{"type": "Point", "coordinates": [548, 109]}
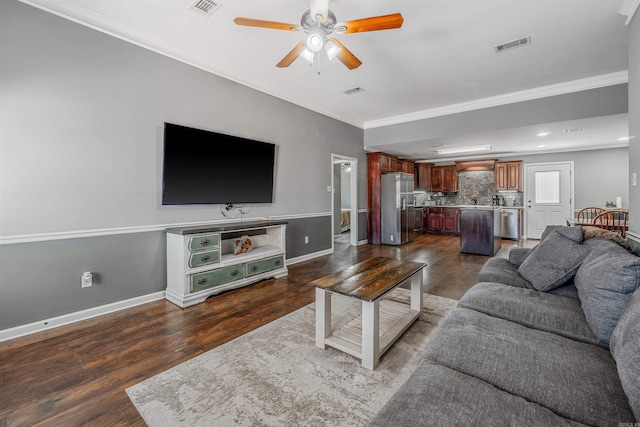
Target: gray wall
{"type": "Point", "coordinates": [634, 120]}
{"type": "Point", "coordinates": [81, 149]}
{"type": "Point", "coordinates": [600, 175]}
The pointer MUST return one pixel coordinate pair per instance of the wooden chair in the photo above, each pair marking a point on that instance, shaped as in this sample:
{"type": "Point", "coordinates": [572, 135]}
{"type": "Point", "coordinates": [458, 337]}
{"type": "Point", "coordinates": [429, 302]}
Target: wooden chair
{"type": "Point", "coordinates": [614, 220]}
{"type": "Point", "coordinates": [587, 215]}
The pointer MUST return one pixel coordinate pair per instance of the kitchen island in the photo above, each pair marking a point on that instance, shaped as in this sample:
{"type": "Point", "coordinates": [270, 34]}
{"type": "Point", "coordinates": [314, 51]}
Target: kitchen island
{"type": "Point", "coordinates": [480, 230]}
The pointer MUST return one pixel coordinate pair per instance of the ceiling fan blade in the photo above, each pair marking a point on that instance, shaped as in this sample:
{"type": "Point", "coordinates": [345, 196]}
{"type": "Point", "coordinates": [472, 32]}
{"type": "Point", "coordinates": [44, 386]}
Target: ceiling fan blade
{"type": "Point", "coordinates": [291, 56]}
{"type": "Point", "coordinates": [250, 22]}
{"type": "Point", "coordinates": [385, 22]}
{"type": "Point", "coordinates": [346, 57]}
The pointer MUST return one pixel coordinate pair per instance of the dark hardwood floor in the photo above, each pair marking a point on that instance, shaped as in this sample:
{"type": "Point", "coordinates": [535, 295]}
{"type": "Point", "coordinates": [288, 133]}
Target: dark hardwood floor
{"type": "Point", "coordinates": [77, 374]}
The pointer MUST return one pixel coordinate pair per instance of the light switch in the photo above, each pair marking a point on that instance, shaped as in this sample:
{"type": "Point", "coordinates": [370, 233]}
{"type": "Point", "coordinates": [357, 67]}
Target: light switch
{"type": "Point", "coordinates": [634, 179]}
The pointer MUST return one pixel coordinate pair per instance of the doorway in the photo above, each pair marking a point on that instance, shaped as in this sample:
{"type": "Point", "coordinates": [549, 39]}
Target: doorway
{"type": "Point", "coordinates": [548, 196]}
{"type": "Point", "coordinates": [344, 200]}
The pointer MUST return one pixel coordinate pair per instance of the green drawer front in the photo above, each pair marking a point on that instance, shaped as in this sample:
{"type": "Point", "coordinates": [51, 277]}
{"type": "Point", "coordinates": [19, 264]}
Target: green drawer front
{"type": "Point", "coordinates": [264, 265]}
{"type": "Point", "coordinates": [210, 279]}
{"type": "Point", "coordinates": [203, 258]}
{"type": "Point", "coordinates": [204, 241]}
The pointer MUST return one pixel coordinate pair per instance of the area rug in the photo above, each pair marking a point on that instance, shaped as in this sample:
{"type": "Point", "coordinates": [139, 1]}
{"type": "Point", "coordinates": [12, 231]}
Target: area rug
{"type": "Point", "coordinates": [276, 376]}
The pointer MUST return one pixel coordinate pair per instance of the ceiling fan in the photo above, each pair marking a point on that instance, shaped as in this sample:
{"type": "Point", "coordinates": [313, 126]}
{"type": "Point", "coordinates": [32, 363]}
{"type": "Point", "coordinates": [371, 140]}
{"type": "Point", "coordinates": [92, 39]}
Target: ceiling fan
{"type": "Point", "coordinates": [319, 23]}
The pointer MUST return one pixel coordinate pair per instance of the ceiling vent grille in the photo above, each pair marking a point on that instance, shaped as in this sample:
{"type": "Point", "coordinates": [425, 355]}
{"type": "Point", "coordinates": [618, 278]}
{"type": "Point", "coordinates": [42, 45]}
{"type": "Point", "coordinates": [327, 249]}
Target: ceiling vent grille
{"type": "Point", "coordinates": [513, 44]}
{"type": "Point", "coordinates": [352, 91]}
{"type": "Point", "coordinates": [205, 7]}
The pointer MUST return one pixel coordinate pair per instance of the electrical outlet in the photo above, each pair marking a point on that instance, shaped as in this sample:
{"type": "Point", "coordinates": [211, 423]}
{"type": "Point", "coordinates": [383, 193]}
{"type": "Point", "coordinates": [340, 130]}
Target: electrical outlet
{"type": "Point", "coordinates": [306, 239]}
{"type": "Point", "coordinates": [87, 279]}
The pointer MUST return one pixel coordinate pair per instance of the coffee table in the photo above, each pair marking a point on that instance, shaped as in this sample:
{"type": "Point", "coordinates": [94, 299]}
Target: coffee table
{"type": "Point", "coordinates": [381, 323]}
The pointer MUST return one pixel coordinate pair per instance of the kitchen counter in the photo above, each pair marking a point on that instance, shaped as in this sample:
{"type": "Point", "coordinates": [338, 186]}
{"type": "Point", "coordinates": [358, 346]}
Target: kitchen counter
{"type": "Point", "coordinates": [480, 231]}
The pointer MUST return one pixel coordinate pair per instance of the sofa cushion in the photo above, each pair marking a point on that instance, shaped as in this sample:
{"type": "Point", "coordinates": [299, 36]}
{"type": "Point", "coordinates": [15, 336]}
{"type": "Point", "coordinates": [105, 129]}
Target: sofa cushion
{"type": "Point", "coordinates": [573, 379]}
{"type": "Point", "coordinates": [500, 270]}
{"type": "Point", "coordinates": [539, 310]}
{"type": "Point", "coordinates": [555, 260]}
{"type": "Point", "coordinates": [625, 348]}
{"type": "Point", "coordinates": [441, 397]}
{"type": "Point", "coordinates": [518, 255]}
{"type": "Point", "coordinates": [605, 282]}
{"type": "Point", "coordinates": [567, 290]}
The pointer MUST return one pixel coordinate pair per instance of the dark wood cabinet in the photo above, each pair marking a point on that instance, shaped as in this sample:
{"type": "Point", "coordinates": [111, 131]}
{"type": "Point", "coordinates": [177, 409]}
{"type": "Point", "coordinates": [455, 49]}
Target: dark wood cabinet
{"type": "Point", "coordinates": [407, 166]}
{"type": "Point", "coordinates": [450, 178]}
{"type": "Point", "coordinates": [434, 223]}
{"type": "Point", "coordinates": [389, 164]}
{"type": "Point", "coordinates": [451, 220]}
{"type": "Point", "coordinates": [423, 176]}
{"type": "Point", "coordinates": [508, 176]}
{"type": "Point", "coordinates": [444, 178]}
{"type": "Point", "coordinates": [442, 220]}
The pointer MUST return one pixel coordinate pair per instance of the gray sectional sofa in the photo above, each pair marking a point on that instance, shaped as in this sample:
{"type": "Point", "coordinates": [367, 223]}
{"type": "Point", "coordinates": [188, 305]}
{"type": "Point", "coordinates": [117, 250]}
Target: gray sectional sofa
{"type": "Point", "coordinates": [550, 336]}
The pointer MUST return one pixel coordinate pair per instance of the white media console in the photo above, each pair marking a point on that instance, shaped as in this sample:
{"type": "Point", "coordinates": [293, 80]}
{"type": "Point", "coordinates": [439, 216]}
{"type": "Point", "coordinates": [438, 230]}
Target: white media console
{"type": "Point", "coordinates": [201, 260]}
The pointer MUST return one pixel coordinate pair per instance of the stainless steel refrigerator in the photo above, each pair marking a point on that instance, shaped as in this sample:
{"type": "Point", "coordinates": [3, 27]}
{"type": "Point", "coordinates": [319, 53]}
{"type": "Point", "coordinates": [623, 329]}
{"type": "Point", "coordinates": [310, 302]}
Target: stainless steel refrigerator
{"type": "Point", "coordinates": [398, 215]}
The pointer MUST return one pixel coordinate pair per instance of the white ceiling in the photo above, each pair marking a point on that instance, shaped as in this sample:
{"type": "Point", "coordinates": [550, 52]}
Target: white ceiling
{"type": "Point", "coordinates": [442, 56]}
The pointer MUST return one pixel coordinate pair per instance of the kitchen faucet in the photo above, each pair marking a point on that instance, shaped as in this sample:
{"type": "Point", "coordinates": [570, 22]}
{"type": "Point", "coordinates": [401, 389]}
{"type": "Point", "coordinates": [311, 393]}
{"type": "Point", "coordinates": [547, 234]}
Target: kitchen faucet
{"type": "Point", "coordinates": [475, 201]}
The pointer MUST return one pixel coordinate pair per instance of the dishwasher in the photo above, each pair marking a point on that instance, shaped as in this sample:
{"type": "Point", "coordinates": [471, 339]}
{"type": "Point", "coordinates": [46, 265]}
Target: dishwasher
{"type": "Point", "coordinates": [510, 223]}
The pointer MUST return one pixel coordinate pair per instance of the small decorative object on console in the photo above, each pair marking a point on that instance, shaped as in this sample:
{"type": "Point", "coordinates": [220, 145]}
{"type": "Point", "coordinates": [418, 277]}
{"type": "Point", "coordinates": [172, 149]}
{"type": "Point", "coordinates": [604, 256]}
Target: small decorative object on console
{"type": "Point", "coordinates": [242, 245]}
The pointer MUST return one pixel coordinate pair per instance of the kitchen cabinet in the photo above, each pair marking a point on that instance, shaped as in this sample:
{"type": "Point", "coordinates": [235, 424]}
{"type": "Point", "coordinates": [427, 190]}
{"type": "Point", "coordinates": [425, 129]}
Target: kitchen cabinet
{"type": "Point", "coordinates": [423, 176]}
{"type": "Point", "coordinates": [389, 164]}
{"type": "Point", "coordinates": [407, 166]}
{"type": "Point", "coordinates": [444, 178]}
{"type": "Point", "coordinates": [508, 176]}
{"type": "Point", "coordinates": [451, 221]}
{"type": "Point", "coordinates": [443, 220]}
{"type": "Point", "coordinates": [434, 221]}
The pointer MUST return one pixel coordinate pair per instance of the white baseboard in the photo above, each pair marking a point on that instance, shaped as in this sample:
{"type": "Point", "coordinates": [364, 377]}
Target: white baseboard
{"type": "Point", "coordinates": [309, 256]}
{"type": "Point", "coordinates": [363, 242]}
{"type": "Point", "coordinates": [43, 325]}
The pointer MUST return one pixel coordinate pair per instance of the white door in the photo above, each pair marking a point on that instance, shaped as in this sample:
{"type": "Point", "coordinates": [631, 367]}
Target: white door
{"type": "Point", "coordinates": [548, 196]}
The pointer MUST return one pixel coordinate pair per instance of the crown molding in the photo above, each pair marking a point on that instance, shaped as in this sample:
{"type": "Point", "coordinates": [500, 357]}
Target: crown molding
{"type": "Point", "coordinates": [509, 98]}
{"type": "Point", "coordinates": [629, 8]}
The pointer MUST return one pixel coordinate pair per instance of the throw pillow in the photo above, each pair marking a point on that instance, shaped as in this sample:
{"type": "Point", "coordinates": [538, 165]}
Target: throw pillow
{"type": "Point", "coordinates": [605, 282]}
{"type": "Point", "coordinates": [555, 259]}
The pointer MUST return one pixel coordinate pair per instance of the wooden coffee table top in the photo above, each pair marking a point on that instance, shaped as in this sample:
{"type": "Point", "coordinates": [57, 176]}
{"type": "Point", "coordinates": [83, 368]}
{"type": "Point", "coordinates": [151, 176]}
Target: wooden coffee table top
{"type": "Point", "coordinates": [370, 279]}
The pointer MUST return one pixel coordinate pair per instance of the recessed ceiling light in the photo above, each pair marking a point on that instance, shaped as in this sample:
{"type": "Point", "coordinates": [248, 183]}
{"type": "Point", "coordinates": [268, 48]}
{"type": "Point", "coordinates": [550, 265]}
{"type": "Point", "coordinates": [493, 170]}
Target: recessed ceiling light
{"type": "Point", "coordinates": [465, 149]}
{"type": "Point", "coordinates": [544, 133]}
{"type": "Point", "coordinates": [624, 138]}
{"type": "Point", "coordinates": [541, 146]}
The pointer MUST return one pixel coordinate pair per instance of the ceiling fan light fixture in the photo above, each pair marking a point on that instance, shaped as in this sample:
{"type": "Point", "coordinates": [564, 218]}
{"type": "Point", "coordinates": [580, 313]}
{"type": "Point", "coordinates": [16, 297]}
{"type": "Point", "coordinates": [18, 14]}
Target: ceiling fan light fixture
{"type": "Point", "coordinates": [307, 54]}
{"type": "Point", "coordinates": [465, 149]}
{"type": "Point", "coordinates": [315, 42]}
{"type": "Point", "coordinates": [332, 49]}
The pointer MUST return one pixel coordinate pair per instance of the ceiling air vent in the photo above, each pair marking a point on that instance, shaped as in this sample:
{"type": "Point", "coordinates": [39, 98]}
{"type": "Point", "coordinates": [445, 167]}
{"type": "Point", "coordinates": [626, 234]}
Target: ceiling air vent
{"type": "Point", "coordinates": [513, 44]}
{"type": "Point", "coordinates": [352, 91]}
{"type": "Point", "coordinates": [205, 7]}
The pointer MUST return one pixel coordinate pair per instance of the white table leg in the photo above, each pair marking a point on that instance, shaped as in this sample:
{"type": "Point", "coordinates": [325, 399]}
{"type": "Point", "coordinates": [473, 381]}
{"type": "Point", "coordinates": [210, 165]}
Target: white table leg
{"type": "Point", "coordinates": [323, 316]}
{"type": "Point", "coordinates": [370, 334]}
{"type": "Point", "coordinates": [416, 291]}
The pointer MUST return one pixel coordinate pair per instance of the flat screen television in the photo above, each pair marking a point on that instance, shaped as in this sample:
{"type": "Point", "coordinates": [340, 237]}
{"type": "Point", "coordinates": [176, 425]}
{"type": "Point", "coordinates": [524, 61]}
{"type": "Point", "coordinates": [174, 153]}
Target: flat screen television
{"type": "Point", "coordinates": [203, 167]}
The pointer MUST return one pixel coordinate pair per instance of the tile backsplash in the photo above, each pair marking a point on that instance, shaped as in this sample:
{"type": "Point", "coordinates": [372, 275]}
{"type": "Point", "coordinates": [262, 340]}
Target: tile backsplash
{"type": "Point", "coordinates": [478, 185]}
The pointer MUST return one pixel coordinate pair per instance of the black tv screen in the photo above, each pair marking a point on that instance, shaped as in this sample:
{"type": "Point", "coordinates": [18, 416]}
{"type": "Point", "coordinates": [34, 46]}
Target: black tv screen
{"type": "Point", "coordinates": [202, 167]}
